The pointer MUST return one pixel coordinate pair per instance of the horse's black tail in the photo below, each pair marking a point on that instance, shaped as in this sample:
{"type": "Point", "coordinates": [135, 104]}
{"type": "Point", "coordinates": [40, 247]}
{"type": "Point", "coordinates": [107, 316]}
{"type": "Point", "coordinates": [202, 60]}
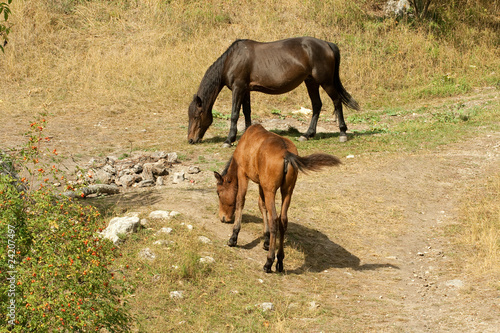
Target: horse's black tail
{"type": "Point", "coordinates": [346, 98]}
{"type": "Point", "coordinates": [312, 162]}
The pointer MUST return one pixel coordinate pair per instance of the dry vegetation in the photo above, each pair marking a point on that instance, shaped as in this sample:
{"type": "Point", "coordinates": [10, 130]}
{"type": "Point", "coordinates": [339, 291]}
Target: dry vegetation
{"type": "Point", "coordinates": [117, 76]}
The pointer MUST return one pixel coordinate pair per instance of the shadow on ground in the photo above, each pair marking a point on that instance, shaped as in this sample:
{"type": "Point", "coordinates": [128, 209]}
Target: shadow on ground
{"type": "Point", "coordinates": [319, 251]}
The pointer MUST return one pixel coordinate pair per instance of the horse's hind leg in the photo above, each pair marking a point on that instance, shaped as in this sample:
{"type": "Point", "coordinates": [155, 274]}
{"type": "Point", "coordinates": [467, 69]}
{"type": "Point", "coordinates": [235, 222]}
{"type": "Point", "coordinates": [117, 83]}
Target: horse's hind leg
{"type": "Point", "coordinates": [286, 197]}
{"type": "Point", "coordinates": [263, 211]}
{"type": "Point", "coordinates": [337, 102]}
{"type": "Point", "coordinates": [273, 223]}
{"type": "Point", "coordinates": [313, 90]}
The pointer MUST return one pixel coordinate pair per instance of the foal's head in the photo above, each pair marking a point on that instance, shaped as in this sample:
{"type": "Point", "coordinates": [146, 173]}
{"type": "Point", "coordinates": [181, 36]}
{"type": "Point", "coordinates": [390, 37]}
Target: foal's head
{"type": "Point", "coordinates": [227, 188]}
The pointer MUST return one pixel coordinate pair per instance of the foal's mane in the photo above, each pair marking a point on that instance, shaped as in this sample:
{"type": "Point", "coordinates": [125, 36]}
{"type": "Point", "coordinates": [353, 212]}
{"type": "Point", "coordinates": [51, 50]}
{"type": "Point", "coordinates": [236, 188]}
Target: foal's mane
{"type": "Point", "coordinates": [226, 168]}
{"type": "Point", "coordinates": [211, 82]}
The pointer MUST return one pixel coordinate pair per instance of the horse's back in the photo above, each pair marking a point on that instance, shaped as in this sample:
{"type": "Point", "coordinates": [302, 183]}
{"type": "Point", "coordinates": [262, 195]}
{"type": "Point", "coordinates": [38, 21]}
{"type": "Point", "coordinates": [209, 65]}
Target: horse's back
{"type": "Point", "coordinates": [262, 153]}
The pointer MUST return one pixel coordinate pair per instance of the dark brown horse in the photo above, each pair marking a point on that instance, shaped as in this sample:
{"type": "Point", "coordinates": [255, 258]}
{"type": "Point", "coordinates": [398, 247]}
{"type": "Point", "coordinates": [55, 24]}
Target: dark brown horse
{"type": "Point", "coordinates": [272, 162]}
{"type": "Point", "coordinates": [272, 68]}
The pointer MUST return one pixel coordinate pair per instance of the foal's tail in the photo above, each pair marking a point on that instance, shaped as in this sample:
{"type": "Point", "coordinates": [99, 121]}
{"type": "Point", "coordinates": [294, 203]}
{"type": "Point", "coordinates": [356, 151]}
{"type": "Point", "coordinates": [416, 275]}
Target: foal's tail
{"type": "Point", "coordinates": [312, 162]}
{"type": "Point", "coordinates": [346, 98]}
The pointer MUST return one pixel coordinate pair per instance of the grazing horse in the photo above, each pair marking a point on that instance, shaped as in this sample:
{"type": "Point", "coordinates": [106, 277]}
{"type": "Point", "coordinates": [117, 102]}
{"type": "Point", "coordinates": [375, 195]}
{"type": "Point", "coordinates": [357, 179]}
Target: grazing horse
{"type": "Point", "coordinates": [272, 162]}
{"type": "Point", "coordinates": [272, 68]}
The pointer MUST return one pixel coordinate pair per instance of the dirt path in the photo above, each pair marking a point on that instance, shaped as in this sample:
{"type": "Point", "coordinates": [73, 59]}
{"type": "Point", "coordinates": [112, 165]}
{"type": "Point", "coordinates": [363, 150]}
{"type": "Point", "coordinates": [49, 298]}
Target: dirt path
{"type": "Point", "coordinates": [375, 247]}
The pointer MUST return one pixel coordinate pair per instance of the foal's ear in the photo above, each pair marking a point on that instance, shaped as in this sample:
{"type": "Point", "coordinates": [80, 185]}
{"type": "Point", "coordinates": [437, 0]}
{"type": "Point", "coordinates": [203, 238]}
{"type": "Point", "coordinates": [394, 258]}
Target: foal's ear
{"type": "Point", "coordinates": [219, 178]}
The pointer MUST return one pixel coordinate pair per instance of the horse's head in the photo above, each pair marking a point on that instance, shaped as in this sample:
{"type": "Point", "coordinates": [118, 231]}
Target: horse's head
{"type": "Point", "coordinates": [200, 118]}
{"type": "Point", "coordinates": [227, 188]}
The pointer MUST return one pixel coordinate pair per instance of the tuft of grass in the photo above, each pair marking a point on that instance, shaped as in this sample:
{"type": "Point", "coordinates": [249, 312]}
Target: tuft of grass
{"type": "Point", "coordinates": [480, 227]}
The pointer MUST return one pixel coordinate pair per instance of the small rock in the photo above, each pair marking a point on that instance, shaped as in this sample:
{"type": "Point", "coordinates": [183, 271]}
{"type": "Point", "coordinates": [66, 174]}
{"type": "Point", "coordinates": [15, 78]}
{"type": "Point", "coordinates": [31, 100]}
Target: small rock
{"type": "Point", "coordinates": [128, 180]}
{"type": "Point", "coordinates": [146, 253]}
{"type": "Point", "coordinates": [206, 260]}
{"type": "Point", "coordinates": [159, 155]}
{"type": "Point", "coordinates": [350, 156]}
{"type": "Point", "coordinates": [172, 157]}
{"type": "Point", "coordinates": [178, 177]}
{"type": "Point", "coordinates": [144, 223]}
{"type": "Point", "coordinates": [109, 169]}
{"type": "Point", "coordinates": [313, 305]}
{"type": "Point", "coordinates": [136, 168]}
{"type": "Point", "coordinates": [162, 242]}
{"type": "Point", "coordinates": [177, 294]}
{"type": "Point", "coordinates": [193, 170]}
{"type": "Point", "coordinates": [190, 227]}
{"type": "Point", "coordinates": [204, 240]}
{"type": "Point", "coordinates": [160, 181]}
{"type": "Point", "coordinates": [120, 226]}
{"type": "Point", "coordinates": [174, 213]}
{"type": "Point", "coordinates": [146, 183]}
{"type": "Point", "coordinates": [266, 306]}
{"type": "Point", "coordinates": [164, 230]}
{"type": "Point", "coordinates": [159, 214]}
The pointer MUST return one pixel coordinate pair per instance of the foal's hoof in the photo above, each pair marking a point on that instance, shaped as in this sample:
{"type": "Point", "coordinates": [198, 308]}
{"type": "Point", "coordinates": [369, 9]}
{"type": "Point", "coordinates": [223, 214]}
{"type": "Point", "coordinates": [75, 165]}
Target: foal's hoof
{"type": "Point", "coordinates": [226, 145]}
{"type": "Point", "coordinates": [343, 138]}
{"type": "Point", "coordinates": [302, 138]}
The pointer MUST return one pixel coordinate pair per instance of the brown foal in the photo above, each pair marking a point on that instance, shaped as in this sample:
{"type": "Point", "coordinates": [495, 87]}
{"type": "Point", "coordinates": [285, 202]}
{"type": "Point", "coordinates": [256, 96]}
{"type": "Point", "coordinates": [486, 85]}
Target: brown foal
{"type": "Point", "coordinates": [273, 163]}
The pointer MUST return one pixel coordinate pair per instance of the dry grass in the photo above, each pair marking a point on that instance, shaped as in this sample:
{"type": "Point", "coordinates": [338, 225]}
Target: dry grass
{"type": "Point", "coordinates": [480, 231]}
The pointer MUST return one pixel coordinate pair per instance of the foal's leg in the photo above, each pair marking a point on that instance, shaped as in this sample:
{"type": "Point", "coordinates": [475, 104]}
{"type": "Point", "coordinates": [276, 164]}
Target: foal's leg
{"type": "Point", "coordinates": [238, 97]}
{"type": "Point", "coordinates": [247, 111]}
{"type": "Point", "coordinates": [313, 90]}
{"type": "Point", "coordinates": [273, 224]}
{"type": "Point", "coordinates": [240, 202]}
{"type": "Point", "coordinates": [286, 197]}
{"type": "Point", "coordinates": [337, 102]}
{"type": "Point", "coordinates": [263, 211]}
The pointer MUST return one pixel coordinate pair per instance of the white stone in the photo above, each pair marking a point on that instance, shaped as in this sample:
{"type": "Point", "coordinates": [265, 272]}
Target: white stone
{"type": "Point", "coordinates": [146, 253]}
{"type": "Point", "coordinates": [120, 226]}
{"type": "Point", "coordinates": [204, 240]}
{"type": "Point", "coordinates": [159, 214]}
{"type": "Point", "coordinates": [266, 306]}
{"type": "Point", "coordinates": [177, 294]}
{"type": "Point", "coordinates": [206, 260]}
{"type": "Point", "coordinates": [164, 230]}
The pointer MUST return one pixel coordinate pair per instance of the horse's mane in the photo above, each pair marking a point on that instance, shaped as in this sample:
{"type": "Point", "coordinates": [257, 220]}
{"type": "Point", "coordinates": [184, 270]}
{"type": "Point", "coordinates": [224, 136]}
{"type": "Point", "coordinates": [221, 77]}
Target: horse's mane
{"type": "Point", "coordinates": [212, 79]}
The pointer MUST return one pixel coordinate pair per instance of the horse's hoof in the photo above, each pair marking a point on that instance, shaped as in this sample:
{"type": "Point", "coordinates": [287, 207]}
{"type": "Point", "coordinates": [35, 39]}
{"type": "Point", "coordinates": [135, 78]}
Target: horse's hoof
{"type": "Point", "coordinates": [232, 242]}
{"type": "Point", "coordinates": [266, 246]}
{"type": "Point", "coordinates": [302, 138]}
{"type": "Point", "coordinates": [343, 138]}
{"type": "Point", "coordinates": [226, 145]}
{"type": "Point", "coordinates": [267, 269]}
{"type": "Point", "coordinates": [279, 267]}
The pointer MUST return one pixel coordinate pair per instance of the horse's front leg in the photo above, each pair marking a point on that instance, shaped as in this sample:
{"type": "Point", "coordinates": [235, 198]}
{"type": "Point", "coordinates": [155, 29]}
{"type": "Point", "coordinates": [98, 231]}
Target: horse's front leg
{"type": "Point", "coordinates": [313, 91]}
{"type": "Point", "coordinates": [238, 96]}
{"type": "Point", "coordinates": [247, 111]}
{"type": "Point", "coordinates": [240, 203]}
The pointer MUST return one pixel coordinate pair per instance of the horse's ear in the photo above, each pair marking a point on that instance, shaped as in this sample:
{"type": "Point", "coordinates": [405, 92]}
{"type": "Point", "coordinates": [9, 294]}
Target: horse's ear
{"type": "Point", "coordinates": [219, 178]}
{"type": "Point", "coordinates": [198, 101]}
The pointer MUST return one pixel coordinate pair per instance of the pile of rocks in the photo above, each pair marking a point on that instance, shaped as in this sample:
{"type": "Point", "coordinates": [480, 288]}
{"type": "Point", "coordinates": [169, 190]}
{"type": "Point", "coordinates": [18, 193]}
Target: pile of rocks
{"type": "Point", "coordinates": [140, 170]}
